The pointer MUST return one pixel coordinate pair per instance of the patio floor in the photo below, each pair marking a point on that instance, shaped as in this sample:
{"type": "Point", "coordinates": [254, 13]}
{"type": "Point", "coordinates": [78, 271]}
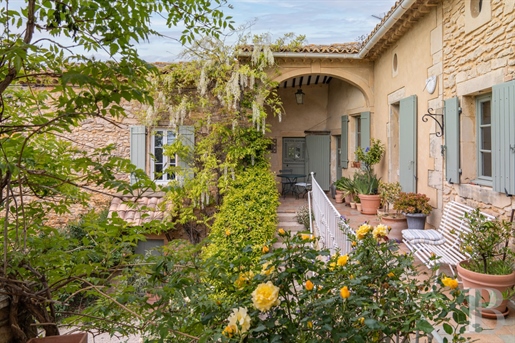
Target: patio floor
{"type": "Point", "coordinates": [496, 331]}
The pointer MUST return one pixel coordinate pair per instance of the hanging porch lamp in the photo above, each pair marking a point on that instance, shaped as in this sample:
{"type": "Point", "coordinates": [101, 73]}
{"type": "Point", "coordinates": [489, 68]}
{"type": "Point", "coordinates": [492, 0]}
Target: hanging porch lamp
{"type": "Point", "coordinates": [299, 96]}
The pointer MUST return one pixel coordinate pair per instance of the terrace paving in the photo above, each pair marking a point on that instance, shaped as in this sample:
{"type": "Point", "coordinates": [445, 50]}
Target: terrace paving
{"type": "Point", "coordinates": [495, 331]}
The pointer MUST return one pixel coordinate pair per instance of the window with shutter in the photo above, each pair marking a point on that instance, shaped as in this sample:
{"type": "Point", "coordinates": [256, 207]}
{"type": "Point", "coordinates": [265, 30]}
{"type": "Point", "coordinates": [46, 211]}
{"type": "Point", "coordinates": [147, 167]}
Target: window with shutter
{"type": "Point", "coordinates": [452, 140]}
{"type": "Point", "coordinates": [503, 137]}
{"type": "Point", "coordinates": [137, 147]}
{"type": "Point", "coordinates": [344, 147]}
{"type": "Point", "coordinates": [160, 161]}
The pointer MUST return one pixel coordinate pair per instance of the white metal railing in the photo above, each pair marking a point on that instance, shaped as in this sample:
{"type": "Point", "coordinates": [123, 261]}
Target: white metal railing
{"type": "Point", "coordinates": [330, 225]}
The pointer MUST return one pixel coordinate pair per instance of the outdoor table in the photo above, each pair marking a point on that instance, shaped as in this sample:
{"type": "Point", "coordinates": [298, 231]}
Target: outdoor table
{"type": "Point", "coordinates": [289, 182]}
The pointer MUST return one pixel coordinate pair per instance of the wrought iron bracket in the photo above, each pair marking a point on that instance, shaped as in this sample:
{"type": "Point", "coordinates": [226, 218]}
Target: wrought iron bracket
{"type": "Point", "coordinates": [438, 121]}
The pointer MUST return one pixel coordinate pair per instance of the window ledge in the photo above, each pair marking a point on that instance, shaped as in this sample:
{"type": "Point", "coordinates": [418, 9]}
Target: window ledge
{"type": "Point", "coordinates": [481, 182]}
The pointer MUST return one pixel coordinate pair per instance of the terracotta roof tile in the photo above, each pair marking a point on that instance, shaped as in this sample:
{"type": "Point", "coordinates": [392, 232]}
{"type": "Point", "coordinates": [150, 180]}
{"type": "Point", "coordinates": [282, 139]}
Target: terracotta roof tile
{"type": "Point", "coordinates": [138, 210]}
{"type": "Point", "coordinates": [337, 48]}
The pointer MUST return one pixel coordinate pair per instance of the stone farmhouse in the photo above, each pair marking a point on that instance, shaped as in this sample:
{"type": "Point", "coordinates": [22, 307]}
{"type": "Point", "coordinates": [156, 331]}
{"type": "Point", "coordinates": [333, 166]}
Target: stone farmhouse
{"type": "Point", "coordinates": [434, 81]}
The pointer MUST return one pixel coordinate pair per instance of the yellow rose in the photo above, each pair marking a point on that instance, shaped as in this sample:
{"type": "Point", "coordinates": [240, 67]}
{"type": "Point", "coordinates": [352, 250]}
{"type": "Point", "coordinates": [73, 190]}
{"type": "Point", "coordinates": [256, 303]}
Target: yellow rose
{"type": "Point", "coordinates": [354, 243]}
{"type": "Point", "coordinates": [451, 283]}
{"type": "Point", "coordinates": [310, 324]}
{"type": "Point", "coordinates": [267, 270]}
{"type": "Point", "coordinates": [380, 231]}
{"type": "Point", "coordinates": [362, 320]}
{"type": "Point", "coordinates": [281, 232]}
{"type": "Point", "coordinates": [239, 320]}
{"type": "Point", "coordinates": [332, 265]}
{"type": "Point", "coordinates": [229, 331]}
{"type": "Point", "coordinates": [265, 296]}
{"type": "Point", "coordinates": [391, 274]}
{"type": "Point", "coordinates": [344, 292]}
{"type": "Point", "coordinates": [227, 232]}
{"type": "Point", "coordinates": [309, 285]}
{"type": "Point", "coordinates": [244, 278]}
{"type": "Point", "coordinates": [363, 230]}
{"type": "Point", "coordinates": [342, 260]}
{"type": "Point", "coordinates": [306, 237]}
{"type": "Point", "coordinates": [265, 249]}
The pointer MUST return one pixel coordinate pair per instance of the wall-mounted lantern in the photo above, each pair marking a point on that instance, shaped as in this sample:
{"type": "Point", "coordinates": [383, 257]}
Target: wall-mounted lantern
{"type": "Point", "coordinates": [299, 96]}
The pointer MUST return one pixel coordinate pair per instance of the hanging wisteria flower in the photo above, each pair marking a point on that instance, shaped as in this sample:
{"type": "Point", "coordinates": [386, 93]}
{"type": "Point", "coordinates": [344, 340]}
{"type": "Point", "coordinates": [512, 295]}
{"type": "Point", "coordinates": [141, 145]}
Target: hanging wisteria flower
{"type": "Point", "coordinates": [239, 320]}
{"type": "Point", "coordinates": [363, 230]}
{"type": "Point", "coordinates": [265, 296]}
{"type": "Point", "coordinates": [380, 231]}
{"type": "Point", "coordinates": [449, 282]}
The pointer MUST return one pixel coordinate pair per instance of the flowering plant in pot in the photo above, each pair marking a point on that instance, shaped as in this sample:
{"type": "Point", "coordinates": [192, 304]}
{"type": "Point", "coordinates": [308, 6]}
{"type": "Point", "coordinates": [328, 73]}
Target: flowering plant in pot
{"type": "Point", "coordinates": [491, 260]}
{"type": "Point", "coordinates": [367, 183]}
{"type": "Point", "coordinates": [415, 206]}
{"type": "Point", "coordinates": [389, 192]}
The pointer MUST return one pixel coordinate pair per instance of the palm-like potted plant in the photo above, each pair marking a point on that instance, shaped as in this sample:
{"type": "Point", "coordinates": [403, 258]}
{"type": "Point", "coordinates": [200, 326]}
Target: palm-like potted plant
{"type": "Point", "coordinates": [368, 187]}
{"type": "Point", "coordinates": [491, 261]}
{"type": "Point", "coordinates": [345, 185]}
{"type": "Point", "coordinates": [415, 206]}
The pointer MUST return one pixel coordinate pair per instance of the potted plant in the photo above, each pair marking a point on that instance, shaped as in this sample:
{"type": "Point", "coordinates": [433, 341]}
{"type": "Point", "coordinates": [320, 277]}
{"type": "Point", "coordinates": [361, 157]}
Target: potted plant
{"type": "Point", "coordinates": [345, 186]}
{"type": "Point", "coordinates": [415, 206]}
{"type": "Point", "coordinates": [368, 181]}
{"type": "Point", "coordinates": [389, 192]}
{"type": "Point", "coordinates": [491, 261]}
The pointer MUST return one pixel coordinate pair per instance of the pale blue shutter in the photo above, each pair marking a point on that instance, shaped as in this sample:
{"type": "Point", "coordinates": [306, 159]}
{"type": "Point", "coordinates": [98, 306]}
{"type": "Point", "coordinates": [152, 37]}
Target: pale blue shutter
{"type": "Point", "coordinates": [137, 147]}
{"type": "Point", "coordinates": [318, 151]}
{"type": "Point", "coordinates": [452, 140]}
{"type": "Point", "coordinates": [408, 144]}
{"type": "Point", "coordinates": [365, 129]}
{"type": "Point", "coordinates": [187, 137]}
{"type": "Point", "coordinates": [344, 151]}
{"type": "Point", "coordinates": [503, 137]}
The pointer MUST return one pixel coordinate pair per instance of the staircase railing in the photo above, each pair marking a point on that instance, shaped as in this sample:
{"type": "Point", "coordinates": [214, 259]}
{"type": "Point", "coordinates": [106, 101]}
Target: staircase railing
{"type": "Point", "coordinates": [330, 225]}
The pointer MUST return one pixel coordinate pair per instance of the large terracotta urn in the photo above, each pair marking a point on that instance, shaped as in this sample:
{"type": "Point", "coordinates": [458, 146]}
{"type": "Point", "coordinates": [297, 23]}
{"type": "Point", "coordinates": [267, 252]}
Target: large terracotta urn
{"type": "Point", "coordinates": [370, 203]}
{"type": "Point", "coordinates": [396, 223]}
{"type": "Point", "coordinates": [486, 283]}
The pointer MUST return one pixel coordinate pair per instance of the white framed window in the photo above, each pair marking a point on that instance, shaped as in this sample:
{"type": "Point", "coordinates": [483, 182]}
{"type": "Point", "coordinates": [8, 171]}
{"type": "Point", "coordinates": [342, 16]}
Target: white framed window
{"type": "Point", "coordinates": [484, 139]}
{"type": "Point", "coordinates": [358, 131]}
{"type": "Point", "coordinates": [159, 161]}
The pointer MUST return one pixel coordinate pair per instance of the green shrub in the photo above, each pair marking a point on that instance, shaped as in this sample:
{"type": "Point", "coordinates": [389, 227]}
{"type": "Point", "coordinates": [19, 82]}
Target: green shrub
{"type": "Point", "coordinates": [247, 218]}
{"type": "Point", "coordinates": [302, 216]}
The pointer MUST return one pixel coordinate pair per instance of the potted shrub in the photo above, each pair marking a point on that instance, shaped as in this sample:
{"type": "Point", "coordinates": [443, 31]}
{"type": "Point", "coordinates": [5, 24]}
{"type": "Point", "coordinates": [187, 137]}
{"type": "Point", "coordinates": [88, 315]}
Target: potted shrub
{"type": "Point", "coordinates": [368, 181]}
{"type": "Point", "coordinates": [345, 186]}
{"type": "Point", "coordinates": [491, 261]}
{"type": "Point", "coordinates": [415, 206]}
{"type": "Point", "coordinates": [389, 192]}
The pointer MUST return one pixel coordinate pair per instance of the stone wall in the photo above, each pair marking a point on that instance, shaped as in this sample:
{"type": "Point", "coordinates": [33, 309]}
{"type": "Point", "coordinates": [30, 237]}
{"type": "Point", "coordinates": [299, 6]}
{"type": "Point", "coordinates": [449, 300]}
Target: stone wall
{"type": "Point", "coordinates": [478, 52]}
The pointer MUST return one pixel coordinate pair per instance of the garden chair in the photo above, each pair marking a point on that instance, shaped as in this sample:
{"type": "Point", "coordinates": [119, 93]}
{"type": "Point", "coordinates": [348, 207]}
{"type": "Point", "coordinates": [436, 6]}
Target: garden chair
{"type": "Point", "coordinates": [303, 187]}
{"type": "Point", "coordinates": [444, 242]}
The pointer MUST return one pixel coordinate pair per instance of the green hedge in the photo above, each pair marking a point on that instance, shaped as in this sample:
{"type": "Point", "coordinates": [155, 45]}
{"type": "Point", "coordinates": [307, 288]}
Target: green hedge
{"type": "Point", "coordinates": [247, 219]}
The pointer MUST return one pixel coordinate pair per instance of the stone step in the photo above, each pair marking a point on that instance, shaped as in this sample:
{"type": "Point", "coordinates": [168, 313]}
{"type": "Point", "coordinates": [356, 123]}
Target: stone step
{"type": "Point", "coordinates": [286, 217]}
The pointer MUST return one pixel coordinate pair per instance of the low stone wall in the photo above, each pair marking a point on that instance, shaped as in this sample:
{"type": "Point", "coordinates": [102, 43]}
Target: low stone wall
{"type": "Point", "coordinates": [5, 330]}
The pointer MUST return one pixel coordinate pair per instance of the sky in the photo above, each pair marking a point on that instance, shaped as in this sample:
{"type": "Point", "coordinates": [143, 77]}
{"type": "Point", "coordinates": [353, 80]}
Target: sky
{"type": "Point", "coordinates": [321, 21]}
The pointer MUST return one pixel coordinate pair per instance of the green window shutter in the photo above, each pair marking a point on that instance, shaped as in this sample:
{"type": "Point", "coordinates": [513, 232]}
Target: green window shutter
{"type": "Point", "coordinates": [365, 129]}
{"type": "Point", "coordinates": [503, 137]}
{"type": "Point", "coordinates": [187, 137]}
{"type": "Point", "coordinates": [408, 144]}
{"type": "Point", "coordinates": [452, 140]}
{"type": "Point", "coordinates": [344, 151]}
{"type": "Point", "coordinates": [137, 147]}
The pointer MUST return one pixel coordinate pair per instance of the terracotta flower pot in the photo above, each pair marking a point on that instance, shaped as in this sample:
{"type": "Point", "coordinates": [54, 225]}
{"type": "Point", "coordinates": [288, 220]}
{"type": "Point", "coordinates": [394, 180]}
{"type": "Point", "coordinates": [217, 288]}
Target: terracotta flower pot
{"type": "Point", "coordinates": [338, 197]}
{"type": "Point", "coordinates": [486, 283]}
{"type": "Point", "coordinates": [397, 223]}
{"type": "Point", "coordinates": [370, 203]}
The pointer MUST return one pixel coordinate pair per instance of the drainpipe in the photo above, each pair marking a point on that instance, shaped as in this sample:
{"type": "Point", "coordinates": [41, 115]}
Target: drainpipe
{"type": "Point", "coordinates": [387, 25]}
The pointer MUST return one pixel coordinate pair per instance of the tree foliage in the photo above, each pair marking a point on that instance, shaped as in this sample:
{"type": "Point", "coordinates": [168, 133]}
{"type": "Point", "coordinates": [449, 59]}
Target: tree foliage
{"type": "Point", "coordinates": [50, 81]}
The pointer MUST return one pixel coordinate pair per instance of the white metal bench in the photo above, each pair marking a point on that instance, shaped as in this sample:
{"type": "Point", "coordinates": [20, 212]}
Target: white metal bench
{"type": "Point", "coordinates": [443, 242]}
